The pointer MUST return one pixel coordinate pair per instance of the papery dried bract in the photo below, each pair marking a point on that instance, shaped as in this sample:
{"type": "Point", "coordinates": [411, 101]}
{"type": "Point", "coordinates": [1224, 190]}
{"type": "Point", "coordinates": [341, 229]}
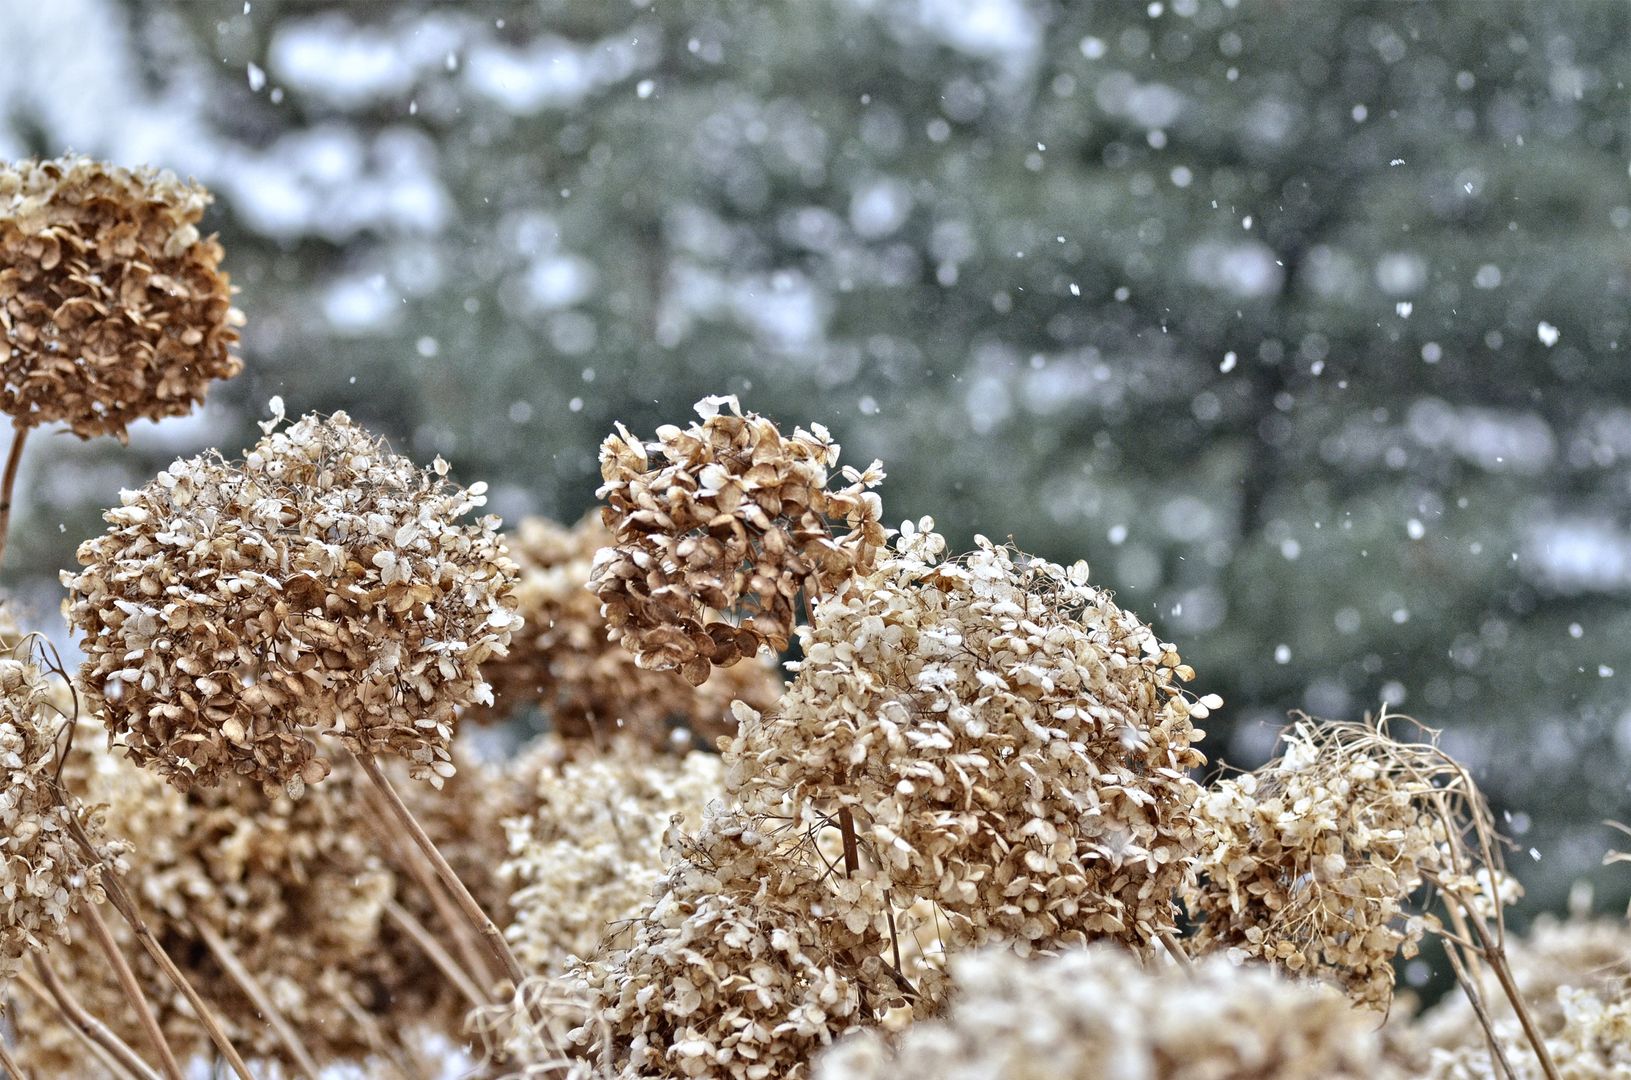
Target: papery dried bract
{"type": "Point", "coordinates": [112, 307]}
{"type": "Point", "coordinates": [718, 528]}
{"type": "Point", "coordinates": [1013, 748]}
{"type": "Point", "coordinates": [233, 609]}
{"type": "Point", "coordinates": [563, 661]}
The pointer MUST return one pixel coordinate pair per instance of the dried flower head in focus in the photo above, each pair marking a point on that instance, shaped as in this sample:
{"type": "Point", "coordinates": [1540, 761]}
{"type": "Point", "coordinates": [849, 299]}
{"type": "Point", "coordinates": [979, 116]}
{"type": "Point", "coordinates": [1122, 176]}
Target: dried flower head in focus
{"type": "Point", "coordinates": [233, 609]}
{"type": "Point", "coordinates": [1012, 745]}
{"type": "Point", "coordinates": [586, 857]}
{"type": "Point", "coordinates": [718, 527]}
{"type": "Point", "coordinates": [1096, 1012]}
{"type": "Point", "coordinates": [1312, 860]}
{"type": "Point", "coordinates": [563, 660]}
{"type": "Point", "coordinates": [740, 967]}
{"type": "Point", "coordinates": [112, 307]}
{"type": "Point", "coordinates": [45, 874]}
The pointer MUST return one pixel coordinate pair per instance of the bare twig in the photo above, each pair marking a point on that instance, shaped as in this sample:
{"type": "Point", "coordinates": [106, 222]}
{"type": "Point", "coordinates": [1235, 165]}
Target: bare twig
{"type": "Point", "coordinates": [93, 1030]}
{"type": "Point", "coordinates": [132, 991]}
{"type": "Point", "coordinates": [125, 904]}
{"type": "Point", "coordinates": [260, 999]}
{"type": "Point", "coordinates": [1175, 950]}
{"type": "Point", "coordinates": [437, 955]}
{"type": "Point", "coordinates": [1496, 955]}
{"type": "Point", "coordinates": [468, 906]}
{"type": "Point", "coordinates": [7, 1062]}
{"type": "Point", "coordinates": [19, 434]}
{"type": "Point", "coordinates": [1469, 986]}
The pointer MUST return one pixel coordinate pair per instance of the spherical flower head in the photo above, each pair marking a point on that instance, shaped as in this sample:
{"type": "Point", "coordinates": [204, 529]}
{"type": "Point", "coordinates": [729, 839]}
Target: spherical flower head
{"type": "Point", "coordinates": [586, 856]}
{"type": "Point", "coordinates": [563, 661]}
{"type": "Point", "coordinates": [233, 610]}
{"type": "Point", "coordinates": [45, 874]}
{"type": "Point", "coordinates": [737, 967]}
{"type": "Point", "coordinates": [1012, 745]}
{"type": "Point", "coordinates": [718, 527]}
{"type": "Point", "coordinates": [1098, 1012]}
{"type": "Point", "coordinates": [113, 307]}
{"type": "Point", "coordinates": [1311, 862]}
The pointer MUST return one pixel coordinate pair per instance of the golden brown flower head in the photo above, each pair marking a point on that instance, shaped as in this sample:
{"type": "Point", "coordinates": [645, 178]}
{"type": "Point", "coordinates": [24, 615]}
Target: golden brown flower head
{"type": "Point", "coordinates": [563, 661]}
{"type": "Point", "coordinates": [1012, 745]}
{"type": "Point", "coordinates": [714, 543]}
{"type": "Point", "coordinates": [233, 609]}
{"type": "Point", "coordinates": [45, 875]}
{"type": "Point", "coordinates": [112, 307]}
{"type": "Point", "coordinates": [1311, 862]}
{"type": "Point", "coordinates": [737, 968]}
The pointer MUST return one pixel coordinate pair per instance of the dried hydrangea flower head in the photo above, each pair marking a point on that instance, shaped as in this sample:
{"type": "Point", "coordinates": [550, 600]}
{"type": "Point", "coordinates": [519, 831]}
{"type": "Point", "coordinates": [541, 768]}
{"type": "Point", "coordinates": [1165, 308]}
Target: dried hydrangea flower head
{"type": "Point", "coordinates": [113, 307]}
{"type": "Point", "coordinates": [737, 968]}
{"type": "Point", "coordinates": [1012, 745]}
{"type": "Point", "coordinates": [563, 661]}
{"type": "Point", "coordinates": [45, 875]}
{"type": "Point", "coordinates": [1096, 1012]}
{"type": "Point", "coordinates": [233, 609]}
{"type": "Point", "coordinates": [1311, 861]}
{"type": "Point", "coordinates": [719, 527]}
{"type": "Point", "coordinates": [586, 857]}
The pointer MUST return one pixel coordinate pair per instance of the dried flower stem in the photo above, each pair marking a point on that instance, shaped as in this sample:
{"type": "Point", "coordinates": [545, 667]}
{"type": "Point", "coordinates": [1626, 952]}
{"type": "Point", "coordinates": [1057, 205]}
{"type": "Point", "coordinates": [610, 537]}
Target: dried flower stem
{"type": "Point", "coordinates": [88, 1026]}
{"type": "Point", "coordinates": [132, 991]}
{"type": "Point", "coordinates": [122, 902]}
{"type": "Point", "coordinates": [13, 1070]}
{"type": "Point", "coordinates": [468, 906]}
{"type": "Point", "coordinates": [1469, 986]}
{"type": "Point", "coordinates": [408, 856]}
{"type": "Point", "coordinates": [262, 1001]}
{"type": "Point", "coordinates": [9, 481]}
{"type": "Point", "coordinates": [1495, 953]}
{"type": "Point", "coordinates": [1175, 950]}
{"type": "Point", "coordinates": [437, 955]}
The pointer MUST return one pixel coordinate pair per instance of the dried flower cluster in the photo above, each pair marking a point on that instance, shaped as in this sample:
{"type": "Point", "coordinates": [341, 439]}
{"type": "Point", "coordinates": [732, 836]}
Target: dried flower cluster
{"type": "Point", "coordinates": [233, 609]}
{"type": "Point", "coordinates": [1312, 860]}
{"type": "Point", "coordinates": [45, 874]}
{"type": "Point", "coordinates": [1013, 747]}
{"type": "Point", "coordinates": [563, 661]}
{"type": "Point", "coordinates": [1096, 1012]}
{"type": "Point", "coordinates": [113, 308]}
{"type": "Point", "coordinates": [741, 967]}
{"type": "Point", "coordinates": [586, 859]}
{"type": "Point", "coordinates": [715, 541]}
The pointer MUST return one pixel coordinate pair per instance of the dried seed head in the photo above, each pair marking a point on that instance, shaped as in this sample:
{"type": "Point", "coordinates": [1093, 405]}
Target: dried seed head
{"type": "Point", "coordinates": [564, 662]}
{"type": "Point", "coordinates": [737, 968]}
{"type": "Point", "coordinates": [1013, 747]}
{"type": "Point", "coordinates": [585, 858]}
{"type": "Point", "coordinates": [112, 307]}
{"type": "Point", "coordinates": [1097, 1012]}
{"type": "Point", "coordinates": [1311, 861]}
{"type": "Point", "coordinates": [45, 875]}
{"type": "Point", "coordinates": [233, 609]}
{"type": "Point", "coordinates": [714, 541]}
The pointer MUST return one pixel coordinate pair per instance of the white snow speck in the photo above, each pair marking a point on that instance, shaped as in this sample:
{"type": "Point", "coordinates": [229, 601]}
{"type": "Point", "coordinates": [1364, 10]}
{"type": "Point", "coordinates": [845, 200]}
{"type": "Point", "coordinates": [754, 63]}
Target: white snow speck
{"type": "Point", "coordinates": [1576, 630]}
{"type": "Point", "coordinates": [1415, 528]}
{"type": "Point", "coordinates": [1404, 308]}
{"type": "Point", "coordinates": [1075, 289]}
{"type": "Point", "coordinates": [1282, 654]}
{"type": "Point", "coordinates": [1604, 671]}
{"type": "Point", "coordinates": [1228, 364]}
{"type": "Point", "coordinates": [257, 77]}
{"type": "Point", "coordinates": [1548, 334]}
{"type": "Point", "coordinates": [644, 88]}
{"type": "Point", "coordinates": [1396, 161]}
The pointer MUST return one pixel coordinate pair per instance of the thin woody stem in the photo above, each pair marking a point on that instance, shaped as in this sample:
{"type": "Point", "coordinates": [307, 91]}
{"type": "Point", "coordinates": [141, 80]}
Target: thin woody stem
{"type": "Point", "coordinates": [132, 991]}
{"type": "Point", "coordinates": [1496, 955]}
{"type": "Point", "coordinates": [122, 902]}
{"type": "Point", "coordinates": [15, 458]}
{"type": "Point", "coordinates": [468, 905]}
{"type": "Point", "coordinates": [437, 955]}
{"type": "Point", "coordinates": [1175, 950]}
{"type": "Point", "coordinates": [262, 1001]}
{"type": "Point", "coordinates": [88, 1026]}
{"type": "Point", "coordinates": [7, 1062]}
{"type": "Point", "coordinates": [1469, 987]}
{"type": "Point", "coordinates": [473, 956]}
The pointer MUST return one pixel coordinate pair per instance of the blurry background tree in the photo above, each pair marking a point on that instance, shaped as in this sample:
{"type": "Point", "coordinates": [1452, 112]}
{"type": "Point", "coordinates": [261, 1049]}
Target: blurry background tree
{"type": "Point", "coordinates": [1305, 323]}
